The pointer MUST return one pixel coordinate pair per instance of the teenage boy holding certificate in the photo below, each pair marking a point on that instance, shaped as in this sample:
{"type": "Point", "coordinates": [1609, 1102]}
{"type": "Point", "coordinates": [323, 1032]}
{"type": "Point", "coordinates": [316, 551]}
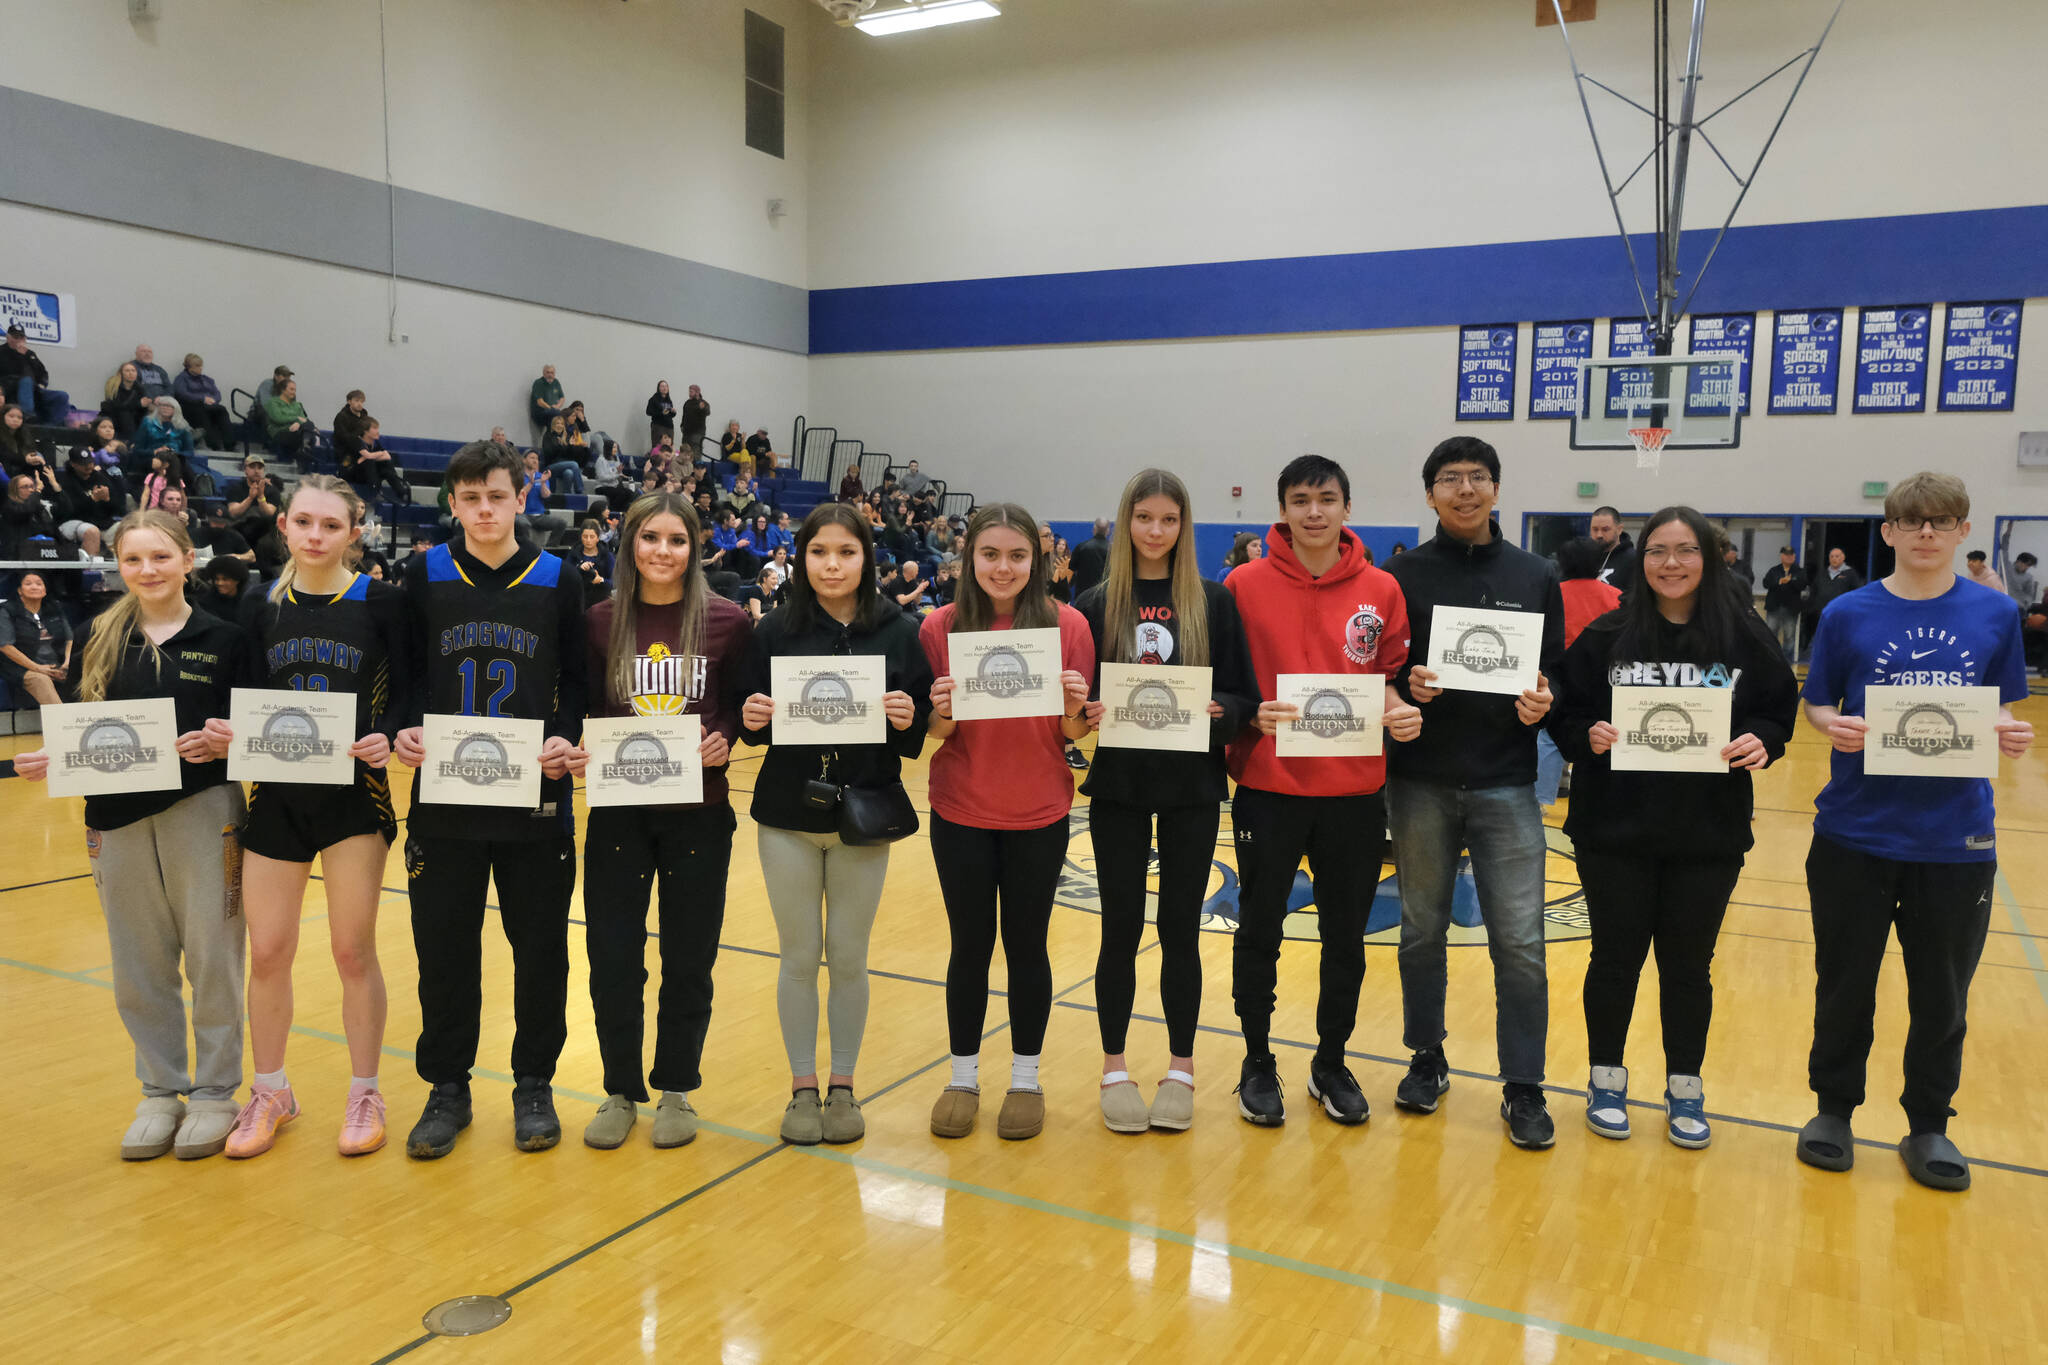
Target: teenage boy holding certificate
{"type": "Point", "coordinates": [1916, 852]}
{"type": "Point", "coordinates": [1659, 848]}
{"type": "Point", "coordinates": [1470, 783]}
{"type": "Point", "coordinates": [497, 631]}
{"type": "Point", "coordinates": [1312, 605]}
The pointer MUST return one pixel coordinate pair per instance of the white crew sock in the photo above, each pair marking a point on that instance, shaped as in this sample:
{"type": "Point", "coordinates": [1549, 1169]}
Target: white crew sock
{"type": "Point", "coordinates": [1185, 1078]}
{"type": "Point", "coordinates": [272, 1080]}
{"type": "Point", "coordinates": [1109, 1078]}
{"type": "Point", "coordinates": [966, 1072]}
{"type": "Point", "coordinates": [1024, 1073]}
{"type": "Point", "coordinates": [362, 1082]}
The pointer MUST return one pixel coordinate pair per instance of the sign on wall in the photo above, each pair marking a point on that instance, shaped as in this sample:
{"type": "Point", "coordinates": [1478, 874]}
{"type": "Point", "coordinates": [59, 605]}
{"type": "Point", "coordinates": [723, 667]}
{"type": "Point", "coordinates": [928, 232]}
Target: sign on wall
{"type": "Point", "coordinates": [1627, 338]}
{"type": "Point", "coordinates": [1710, 389]}
{"type": "Point", "coordinates": [50, 319]}
{"type": "Point", "coordinates": [1806, 361]}
{"type": "Point", "coordinates": [1555, 350]}
{"type": "Point", "coordinates": [1980, 355]}
{"type": "Point", "coordinates": [1891, 357]}
{"type": "Point", "coordinates": [1486, 372]}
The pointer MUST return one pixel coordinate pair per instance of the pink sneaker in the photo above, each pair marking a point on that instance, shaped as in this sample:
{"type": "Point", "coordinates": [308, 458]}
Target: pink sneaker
{"type": "Point", "coordinates": [362, 1124]}
{"type": "Point", "coordinates": [256, 1126]}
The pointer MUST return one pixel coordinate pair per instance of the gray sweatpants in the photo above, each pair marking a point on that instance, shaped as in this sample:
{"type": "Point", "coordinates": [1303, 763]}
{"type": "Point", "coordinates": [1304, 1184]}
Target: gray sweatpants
{"type": "Point", "coordinates": [171, 888]}
{"type": "Point", "coordinates": [824, 895]}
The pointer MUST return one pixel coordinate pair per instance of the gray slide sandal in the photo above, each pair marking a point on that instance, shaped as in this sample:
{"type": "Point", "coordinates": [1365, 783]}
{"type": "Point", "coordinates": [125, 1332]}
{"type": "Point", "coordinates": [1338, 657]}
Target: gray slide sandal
{"type": "Point", "coordinates": [1935, 1162]}
{"type": "Point", "coordinates": [1827, 1143]}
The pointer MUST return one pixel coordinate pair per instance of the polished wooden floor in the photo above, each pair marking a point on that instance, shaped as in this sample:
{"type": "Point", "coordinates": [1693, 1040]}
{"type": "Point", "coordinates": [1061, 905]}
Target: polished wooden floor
{"type": "Point", "coordinates": [1412, 1238]}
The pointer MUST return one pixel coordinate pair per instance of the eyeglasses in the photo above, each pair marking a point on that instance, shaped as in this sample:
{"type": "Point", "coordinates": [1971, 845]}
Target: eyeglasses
{"type": "Point", "coordinates": [1684, 554]}
{"type": "Point", "coordinates": [1911, 525]}
{"type": "Point", "coordinates": [1478, 482]}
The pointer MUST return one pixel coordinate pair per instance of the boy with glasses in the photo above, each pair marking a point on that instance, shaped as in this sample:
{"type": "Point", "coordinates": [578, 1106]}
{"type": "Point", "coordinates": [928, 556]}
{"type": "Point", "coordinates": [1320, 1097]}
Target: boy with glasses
{"type": "Point", "coordinates": [1916, 852]}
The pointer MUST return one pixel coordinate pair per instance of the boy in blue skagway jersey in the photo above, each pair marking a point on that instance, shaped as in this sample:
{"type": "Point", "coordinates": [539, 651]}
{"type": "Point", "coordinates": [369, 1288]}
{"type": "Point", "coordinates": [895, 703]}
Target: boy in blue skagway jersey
{"type": "Point", "coordinates": [1916, 852]}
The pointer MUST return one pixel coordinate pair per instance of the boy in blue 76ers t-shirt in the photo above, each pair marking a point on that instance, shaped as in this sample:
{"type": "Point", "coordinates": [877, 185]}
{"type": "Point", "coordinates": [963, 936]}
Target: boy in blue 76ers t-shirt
{"type": "Point", "coordinates": [1916, 852]}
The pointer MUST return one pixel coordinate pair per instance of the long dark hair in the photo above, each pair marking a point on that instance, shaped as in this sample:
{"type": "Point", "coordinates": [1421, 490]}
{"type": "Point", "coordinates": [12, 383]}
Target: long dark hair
{"type": "Point", "coordinates": [624, 643]}
{"type": "Point", "coordinates": [1717, 611]}
{"type": "Point", "coordinates": [802, 602]}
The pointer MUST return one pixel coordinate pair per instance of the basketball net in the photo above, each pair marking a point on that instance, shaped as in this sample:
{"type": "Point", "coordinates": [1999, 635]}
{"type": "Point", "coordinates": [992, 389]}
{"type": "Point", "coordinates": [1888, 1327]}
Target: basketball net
{"type": "Point", "coordinates": [1649, 444]}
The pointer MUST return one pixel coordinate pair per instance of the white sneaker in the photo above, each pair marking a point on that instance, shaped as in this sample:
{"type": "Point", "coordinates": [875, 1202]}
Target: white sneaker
{"type": "Point", "coordinates": [155, 1129]}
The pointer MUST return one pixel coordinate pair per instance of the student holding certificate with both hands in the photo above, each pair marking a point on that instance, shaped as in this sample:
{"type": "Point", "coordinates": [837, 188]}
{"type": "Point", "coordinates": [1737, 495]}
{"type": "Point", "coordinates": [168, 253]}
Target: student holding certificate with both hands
{"type": "Point", "coordinates": [1659, 851]}
{"type": "Point", "coordinates": [1154, 607]}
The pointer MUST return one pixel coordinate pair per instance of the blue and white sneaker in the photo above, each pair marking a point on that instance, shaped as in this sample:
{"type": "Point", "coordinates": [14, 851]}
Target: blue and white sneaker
{"type": "Point", "coordinates": [1685, 1105]}
{"type": "Point", "coordinates": [1607, 1102]}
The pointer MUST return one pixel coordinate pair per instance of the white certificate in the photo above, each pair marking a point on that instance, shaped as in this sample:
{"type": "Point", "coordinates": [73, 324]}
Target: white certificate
{"type": "Point", "coordinates": [1340, 715]}
{"type": "Point", "coordinates": [283, 735]}
{"type": "Point", "coordinates": [644, 761]}
{"type": "Point", "coordinates": [482, 761]}
{"type": "Point", "coordinates": [1003, 673]}
{"type": "Point", "coordinates": [828, 699]}
{"type": "Point", "coordinates": [109, 748]}
{"type": "Point", "coordinates": [1155, 706]}
{"type": "Point", "coordinates": [1931, 731]}
{"type": "Point", "coordinates": [1672, 729]}
{"type": "Point", "coordinates": [1475, 650]}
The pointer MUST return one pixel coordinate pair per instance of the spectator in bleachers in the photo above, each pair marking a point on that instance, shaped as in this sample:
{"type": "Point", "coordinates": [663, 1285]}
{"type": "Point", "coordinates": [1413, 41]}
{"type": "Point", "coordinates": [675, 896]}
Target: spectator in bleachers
{"type": "Point", "coordinates": [759, 528]}
{"type": "Point", "coordinates": [353, 419]}
{"type": "Point", "coordinates": [222, 584]}
{"type": "Point", "coordinates": [744, 502]}
{"type": "Point", "coordinates": [1245, 548]}
{"type": "Point", "coordinates": [544, 400]}
{"type": "Point", "coordinates": [590, 559]}
{"type": "Point", "coordinates": [289, 431]}
{"type": "Point", "coordinates": [562, 451]}
{"type": "Point", "coordinates": [199, 399]}
{"type": "Point", "coordinates": [779, 558]}
{"type": "Point", "coordinates": [533, 499]}
{"type": "Point", "coordinates": [23, 517]}
{"type": "Point", "coordinates": [763, 594]}
{"type": "Point", "coordinates": [608, 480]}
{"type": "Point", "coordinates": [107, 449]}
{"type": "Point", "coordinates": [366, 463]}
{"type": "Point", "coordinates": [762, 449]}
{"type": "Point", "coordinates": [92, 502]}
{"type": "Point", "coordinates": [252, 500]}
{"type": "Point", "coordinates": [731, 548]}
{"type": "Point", "coordinates": [1091, 558]}
{"type": "Point", "coordinates": [780, 536]}
{"type": "Point", "coordinates": [214, 535]}
{"type": "Point", "coordinates": [16, 445]}
{"type": "Point", "coordinates": [156, 380]}
{"type": "Point", "coordinates": [661, 414]}
{"type": "Point", "coordinates": [174, 504]}
{"type": "Point", "coordinates": [850, 489]}
{"type": "Point", "coordinates": [163, 432]}
{"type": "Point", "coordinates": [939, 539]}
{"type": "Point", "coordinates": [588, 441]}
{"type": "Point", "coordinates": [1979, 571]}
{"type": "Point", "coordinates": [908, 588]}
{"type": "Point", "coordinates": [24, 380]}
{"type": "Point", "coordinates": [733, 446]}
{"type": "Point", "coordinates": [1059, 563]}
{"type": "Point", "coordinates": [125, 402]}
{"type": "Point", "coordinates": [696, 418]}
{"type": "Point", "coordinates": [914, 480]}
{"type": "Point", "coordinates": [35, 642]}
{"type": "Point", "coordinates": [165, 473]}
{"type": "Point", "coordinates": [707, 512]}
{"type": "Point", "coordinates": [945, 581]}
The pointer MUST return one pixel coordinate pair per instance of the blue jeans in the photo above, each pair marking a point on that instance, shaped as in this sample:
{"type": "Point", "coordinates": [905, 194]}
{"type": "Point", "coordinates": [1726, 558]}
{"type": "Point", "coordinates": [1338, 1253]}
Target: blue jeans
{"type": "Point", "coordinates": [1503, 828]}
{"type": "Point", "coordinates": [49, 407]}
{"type": "Point", "coordinates": [567, 476]}
{"type": "Point", "coordinates": [1549, 769]}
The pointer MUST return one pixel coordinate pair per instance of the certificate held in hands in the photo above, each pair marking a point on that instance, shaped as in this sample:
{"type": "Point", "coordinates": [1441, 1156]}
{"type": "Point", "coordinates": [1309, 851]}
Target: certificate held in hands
{"type": "Point", "coordinates": [1340, 715]}
{"type": "Point", "coordinates": [1931, 731]}
{"type": "Point", "coordinates": [1155, 706]}
{"type": "Point", "coordinates": [1475, 650]}
{"type": "Point", "coordinates": [644, 761]}
{"type": "Point", "coordinates": [112, 748]}
{"type": "Point", "coordinates": [828, 699]}
{"type": "Point", "coordinates": [1002, 674]}
{"type": "Point", "coordinates": [482, 761]}
{"type": "Point", "coordinates": [282, 735]}
{"type": "Point", "coordinates": [1672, 729]}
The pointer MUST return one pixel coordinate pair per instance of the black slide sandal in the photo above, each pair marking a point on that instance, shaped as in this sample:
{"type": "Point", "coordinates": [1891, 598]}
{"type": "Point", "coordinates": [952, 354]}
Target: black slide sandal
{"type": "Point", "coordinates": [1935, 1162]}
{"type": "Point", "coordinates": [1827, 1143]}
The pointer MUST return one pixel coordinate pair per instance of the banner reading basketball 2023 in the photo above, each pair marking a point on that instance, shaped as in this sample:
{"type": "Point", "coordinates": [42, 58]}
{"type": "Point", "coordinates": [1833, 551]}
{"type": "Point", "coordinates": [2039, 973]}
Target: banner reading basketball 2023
{"type": "Point", "coordinates": [1806, 362]}
{"type": "Point", "coordinates": [1709, 389]}
{"type": "Point", "coordinates": [1555, 351]}
{"type": "Point", "coordinates": [1891, 358]}
{"type": "Point", "coordinates": [1980, 356]}
{"type": "Point", "coordinates": [1627, 338]}
{"type": "Point", "coordinates": [1486, 372]}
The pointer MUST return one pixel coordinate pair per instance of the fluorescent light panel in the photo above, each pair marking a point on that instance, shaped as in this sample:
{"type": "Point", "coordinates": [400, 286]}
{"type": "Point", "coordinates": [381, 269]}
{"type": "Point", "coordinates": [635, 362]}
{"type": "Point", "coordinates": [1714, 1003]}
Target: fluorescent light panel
{"type": "Point", "coordinates": [927, 16]}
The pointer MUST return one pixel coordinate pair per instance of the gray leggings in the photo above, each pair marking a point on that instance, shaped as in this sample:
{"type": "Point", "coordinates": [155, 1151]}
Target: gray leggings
{"type": "Point", "coordinates": [170, 886]}
{"type": "Point", "coordinates": [808, 874]}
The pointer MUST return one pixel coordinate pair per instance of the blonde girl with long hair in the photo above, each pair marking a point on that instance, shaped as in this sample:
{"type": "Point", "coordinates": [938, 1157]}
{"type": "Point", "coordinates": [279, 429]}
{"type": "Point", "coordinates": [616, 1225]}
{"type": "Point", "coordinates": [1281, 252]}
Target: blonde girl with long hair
{"type": "Point", "coordinates": [1154, 607]}
{"type": "Point", "coordinates": [1001, 791]}
{"type": "Point", "coordinates": [324, 626]}
{"type": "Point", "coordinates": [165, 863]}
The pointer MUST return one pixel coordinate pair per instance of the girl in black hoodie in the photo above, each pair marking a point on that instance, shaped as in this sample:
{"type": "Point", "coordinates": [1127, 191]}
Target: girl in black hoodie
{"type": "Point", "coordinates": [1659, 852]}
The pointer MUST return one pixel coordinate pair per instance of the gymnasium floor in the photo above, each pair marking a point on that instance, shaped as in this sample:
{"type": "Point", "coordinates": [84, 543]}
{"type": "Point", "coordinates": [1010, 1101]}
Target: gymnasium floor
{"type": "Point", "coordinates": [1414, 1238]}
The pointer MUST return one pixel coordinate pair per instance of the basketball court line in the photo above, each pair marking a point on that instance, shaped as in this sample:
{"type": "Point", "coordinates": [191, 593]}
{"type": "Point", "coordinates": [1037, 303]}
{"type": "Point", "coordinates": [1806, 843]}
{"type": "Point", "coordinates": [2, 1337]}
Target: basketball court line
{"type": "Point", "coordinates": [2027, 944]}
{"type": "Point", "coordinates": [53, 881]}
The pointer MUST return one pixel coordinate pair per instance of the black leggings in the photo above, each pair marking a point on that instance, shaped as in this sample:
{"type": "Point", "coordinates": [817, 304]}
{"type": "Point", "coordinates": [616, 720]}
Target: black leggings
{"type": "Point", "coordinates": [978, 867]}
{"type": "Point", "coordinates": [1674, 905]}
{"type": "Point", "coordinates": [1122, 836]}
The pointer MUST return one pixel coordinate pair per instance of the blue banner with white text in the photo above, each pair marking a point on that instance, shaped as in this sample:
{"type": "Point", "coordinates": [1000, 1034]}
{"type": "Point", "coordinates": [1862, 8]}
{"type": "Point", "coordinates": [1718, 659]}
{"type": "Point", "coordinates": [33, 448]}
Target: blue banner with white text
{"type": "Point", "coordinates": [1980, 356]}
{"type": "Point", "coordinates": [1626, 339]}
{"type": "Point", "coordinates": [1486, 372]}
{"type": "Point", "coordinates": [1891, 357]}
{"type": "Point", "coordinates": [1710, 390]}
{"type": "Point", "coordinates": [1806, 362]}
{"type": "Point", "coordinates": [1555, 350]}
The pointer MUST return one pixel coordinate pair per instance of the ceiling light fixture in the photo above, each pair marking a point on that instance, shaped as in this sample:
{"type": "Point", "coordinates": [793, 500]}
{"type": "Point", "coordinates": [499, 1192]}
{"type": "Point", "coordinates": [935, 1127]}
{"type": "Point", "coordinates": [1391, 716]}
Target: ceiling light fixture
{"type": "Point", "coordinates": [925, 16]}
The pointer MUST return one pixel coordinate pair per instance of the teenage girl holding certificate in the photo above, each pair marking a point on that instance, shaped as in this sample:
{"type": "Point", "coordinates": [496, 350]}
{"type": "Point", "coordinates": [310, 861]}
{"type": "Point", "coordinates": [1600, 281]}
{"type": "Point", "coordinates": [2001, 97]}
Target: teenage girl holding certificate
{"type": "Point", "coordinates": [1154, 607]}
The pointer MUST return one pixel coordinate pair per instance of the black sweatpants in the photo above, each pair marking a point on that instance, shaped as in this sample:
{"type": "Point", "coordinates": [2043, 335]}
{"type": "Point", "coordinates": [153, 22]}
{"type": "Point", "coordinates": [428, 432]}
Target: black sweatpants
{"type": "Point", "coordinates": [1123, 837]}
{"type": "Point", "coordinates": [1343, 838]}
{"type": "Point", "coordinates": [1942, 911]}
{"type": "Point", "coordinates": [1020, 868]}
{"type": "Point", "coordinates": [624, 848]}
{"type": "Point", "coordinates": [449, 880]}
{"type": "Point", "coordinates": [1674, 905]}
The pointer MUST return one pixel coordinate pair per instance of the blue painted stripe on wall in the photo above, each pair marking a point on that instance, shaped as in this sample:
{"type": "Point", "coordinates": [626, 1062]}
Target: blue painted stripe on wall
{"type": "Point", "coordinates": [1984, 253]}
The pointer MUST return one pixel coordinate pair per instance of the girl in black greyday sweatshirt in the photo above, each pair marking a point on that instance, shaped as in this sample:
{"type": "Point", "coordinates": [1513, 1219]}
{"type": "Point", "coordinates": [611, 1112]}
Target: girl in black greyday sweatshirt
{"type": "Point", "coordinates": [1154, 607]}
{"type": "Point", "coordinates": [1659, 852]}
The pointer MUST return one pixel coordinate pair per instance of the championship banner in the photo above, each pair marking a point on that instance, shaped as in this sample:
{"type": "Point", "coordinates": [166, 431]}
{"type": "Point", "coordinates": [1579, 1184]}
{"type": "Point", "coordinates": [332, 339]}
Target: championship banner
{"type": "Point", "coordinates": [1555, 350]}
{"type": "Point", "coordinates": [49, 319]}
{"type": "Point", "coordinates": [1486, 372]}
{"type": "Point", "coordinates": [1709, 388]}
{"type": "Point", "coordinates": [1806, 362]}
{"type": "Point", "coordinates": [1980, 356]}
{"type": "Point", "coordinates": [1627, 338]}
{"type": "Point", "coordinates": [1891, 357]}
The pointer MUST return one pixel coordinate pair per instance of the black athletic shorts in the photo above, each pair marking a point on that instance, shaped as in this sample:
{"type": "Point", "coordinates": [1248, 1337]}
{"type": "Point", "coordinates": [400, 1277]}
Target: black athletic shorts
{"type": "Point", "coordinates": [290, 822]}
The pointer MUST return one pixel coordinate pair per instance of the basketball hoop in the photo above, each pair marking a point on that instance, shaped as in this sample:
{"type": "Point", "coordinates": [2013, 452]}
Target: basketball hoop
{"type": "Point", "coordinates": [1649, 444]}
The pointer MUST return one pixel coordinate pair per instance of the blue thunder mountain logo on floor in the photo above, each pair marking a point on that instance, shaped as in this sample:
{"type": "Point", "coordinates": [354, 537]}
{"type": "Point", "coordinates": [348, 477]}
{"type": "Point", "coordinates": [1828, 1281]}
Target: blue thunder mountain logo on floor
{"type": "Point", "coordinates": [1564, 903]}
{"type": "Point", "coordinates": [1927, 730]}
{"type": "Point", "coordinates": [292, 735]}
{"type": "Point", "coordinates": [1003, 673]}
{"type": "Point", "coordinates": [641, 758]}
{"type": "Point", "coordinates": [1150, 706]}
{"type": "Point", "coordinates": [1483, 650]}
{"type": "Point", "coordinates": [482, 762]}
{"type": "Point", "coordinates": [1327, 715]}
{"type": "Point", "coordinates": [828, 698]}
{"type": "Point", "coordinates": [1667, 728]}
{"type": "Point", "coordinates": [110, 746]}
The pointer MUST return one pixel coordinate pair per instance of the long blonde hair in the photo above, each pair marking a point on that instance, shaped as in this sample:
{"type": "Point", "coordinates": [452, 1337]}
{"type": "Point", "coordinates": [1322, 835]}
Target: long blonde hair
{"type": "Point", "coordinates": [625, 634]}
{"type": "Point", "coordinates": [1120, 603]}
{"type": "Point", "coordinates": [110, 630]}
{"type": "Point", "coordinates": [319, 483]}
{"type": "Point", "coordinates": [972, 608]}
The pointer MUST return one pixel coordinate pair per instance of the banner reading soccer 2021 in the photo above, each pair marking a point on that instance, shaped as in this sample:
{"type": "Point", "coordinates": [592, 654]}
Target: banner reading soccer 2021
{"type": "Point", "coordinates": [1710, 389]}
{"type": "Point", "coordinates": [1806, 362]}
{"type": "Point", "coordinates": [1555, 350]}
{"type": "Point", "coordinates": [1980, 356]}
{"type": "Point", "coordinates": [1891, 357]}
{"type": "Point", "coordinates": [1486, 372]}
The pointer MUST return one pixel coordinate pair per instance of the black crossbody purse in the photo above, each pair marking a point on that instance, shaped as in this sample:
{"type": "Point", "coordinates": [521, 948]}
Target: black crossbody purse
{"type": "Point", "coordinates": [866, 815]}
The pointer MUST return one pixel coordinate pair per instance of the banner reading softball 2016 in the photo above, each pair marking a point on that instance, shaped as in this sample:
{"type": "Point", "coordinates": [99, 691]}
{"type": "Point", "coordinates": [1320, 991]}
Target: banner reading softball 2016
{"type": "Point", "coordinates": [50, 319]}
{"type": "Point", "coordinates": [1891, 357]}
{"type": "Point", "coordinates": [1627, 338]}
{"type": "Point", "coordinates": [1709, 389]}
{"type": "Point", "coordinates": [1806, 362]}
{"type": "Point", "coordinates": [1980, 356]}
{"type": "Point", "coordinates": [1486, 372]}
{"type": "Point", "coordinates": [1555, 350]}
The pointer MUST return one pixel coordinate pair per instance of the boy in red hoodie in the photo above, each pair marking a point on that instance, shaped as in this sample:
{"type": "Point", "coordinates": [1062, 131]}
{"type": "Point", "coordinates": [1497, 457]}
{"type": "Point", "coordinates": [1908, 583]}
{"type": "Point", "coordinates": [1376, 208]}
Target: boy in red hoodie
{"type": "Point", "coordinates": [1312, 605]}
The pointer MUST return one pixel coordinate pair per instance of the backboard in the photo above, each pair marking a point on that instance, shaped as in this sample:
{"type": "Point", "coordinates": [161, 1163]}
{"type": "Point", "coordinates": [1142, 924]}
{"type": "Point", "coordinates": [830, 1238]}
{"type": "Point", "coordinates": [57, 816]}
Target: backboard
{"type": "Point", "coordinates": [1696, 398]}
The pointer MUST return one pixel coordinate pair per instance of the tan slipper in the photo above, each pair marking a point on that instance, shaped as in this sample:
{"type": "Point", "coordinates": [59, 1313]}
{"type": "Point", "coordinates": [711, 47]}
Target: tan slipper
{"type": "Point", "coordinates": [1022, 1115]}
{"type": "Point", "coordinates": [953, 1115]}
{"type": "Point", "coordinates": [1173, 1107]}
{"type": "Point", "coordinates": [1123, 1107]}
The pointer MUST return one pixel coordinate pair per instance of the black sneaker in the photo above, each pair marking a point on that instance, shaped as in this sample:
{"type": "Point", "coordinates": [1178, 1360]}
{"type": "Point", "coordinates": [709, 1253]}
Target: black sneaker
{"type": "Point", "coordinates": [1258, 1092]}
{"type": "Point", "coordinates": [1429, 1075]}
{"type": "Point", "coordinates": [1074, 758]}
{"type": "Point", "coordinates": [1527, 1117]}
{"type": "Point", "coordinates": [1339, 1094]}
{"type": "Point", "coordinates": [446, 1115]}
{"type": "Point", "coordinates": [534, 1125]}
